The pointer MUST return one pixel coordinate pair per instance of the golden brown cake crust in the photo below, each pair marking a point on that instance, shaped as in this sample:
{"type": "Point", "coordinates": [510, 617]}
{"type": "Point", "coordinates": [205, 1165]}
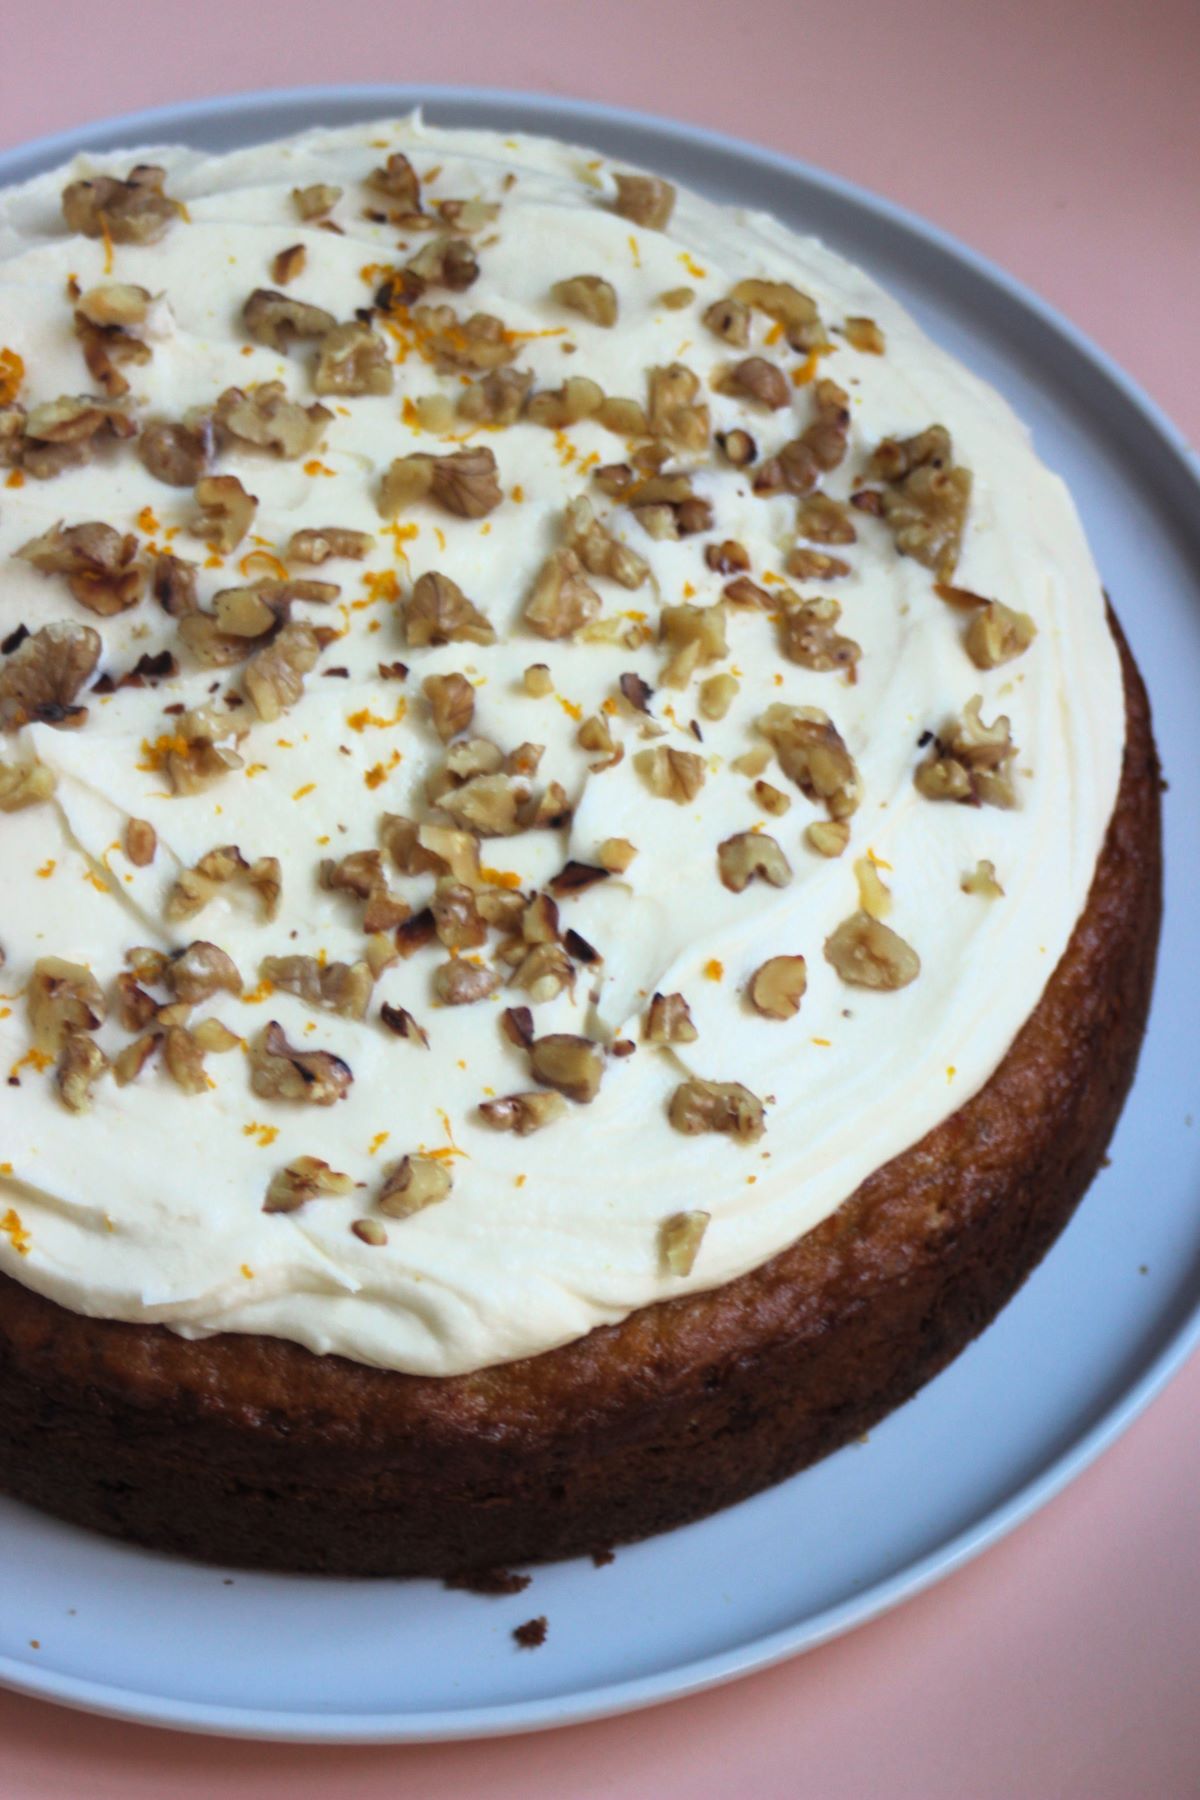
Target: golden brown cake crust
{"type": "Point", "coordinates": [252, 1450]}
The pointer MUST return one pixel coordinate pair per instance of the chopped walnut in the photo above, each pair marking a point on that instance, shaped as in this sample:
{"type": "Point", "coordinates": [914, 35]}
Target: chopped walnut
{"type": "Point", "coordinates": [279, 1071]}
{"type": "Point", "coordinates": [615, 855]}
{"type": "Point", "coordinates": [981, 880]}
{"type": "Point", "coordinates": [304, 1179]}
{"type": "Point", "coordinates": [969, 761]}
{"type": "Point", "coordinates": [724, 1106]}
{"type": "Point", "coordinates": [62, 998]}
{"type": "Point", "coordinates": [412, 1184]}
{"type": "Point", "coordinates": [268, 420]}
{"type": "Point", "coordinates": [717, 695]}
{"type": "Point", "coordinates": [798, 466]}
{"type": "Point", "coordinates": [729, 320]}
{"type": "Point", "coordinates": [212, 1036]}
{"type": "Point", "coordinates": [451, 703]}
{"type": "Point", "coordinates": [824, 521]}
{"type": "Point", "coordinates": [465, 482]}
{"type": "Point", "coordinates": [39, 681]}
{"type": "Point", "coordinates": [675, 299]}
{"type": "Point", "coordinates": [226, 511]}
{"type": "Point", "coordinates": [184, 1060]}
{"type": "Point", "coordinates": [279, 321]}
{"type": "Point", "coordinates": [176, 454]}
{"type": "Point", "coordinates": [109, 323]}
{"type": "Point", "coordinates": [133, 211]}
{"type": "Point", "coordinates": [668, 1020]}
{"type": "Point", "coordinates": [487, 804]}
{"type": "Point", "coordinates": [751, 855]}
{"type": "Point", "coordinates": [462, 983]}
{"type": "Point", "coordinates": [572, 1065]}
{"type": "Point", "coordinates": [807, 564]}
{"type": "Point", "coordinates": [680, 1238]}
{"type": "Point", "coordinates": [562, 601]}
{"type": "Point", "coordinates": [812, 753]}
{"type": "Point", "coordinates": [317, 201]}
{"type": "Point", "coordinates": [590, 295]}
{"type": "Point", "coordinates": [771, 799]}
{"type": "Point", "coordinates": [598, 550]}
{"type": "Point", "coordinates": [66, 433]}
{"type": "Point", "coordinates": [242, 621]}
{"type": "Point", "coordinates": [695, 635]}
{"type": "Point", "coordinates": [352, 359]}
{"type": "Point", "coordinates": [523, 1113]}
{"type": "Point", "coordinates": [398, 180]}
{"type": "Point", "coordinates": [196, 759]}
{"type": "Point", "coordinates": [438, 612]}
{"type": "Point", "coordinates": [645, 199]}
{"type": "Point", "coordinates": [739, 450]}
{"type": "Point", "coordinates": [195, 887]}
{"type": "Point", "coordinates": [81, 1062]}
{"type": "Point", "coordinates": [400, 1022]}
{"type": "Point", "coordinates": [997, 634]}
{"type": "Point", "coordinates": [200, 971]}
{"type": "Point", "coordinates": [926, 497]}
{"type": "Point", "coordinates": [578, 398]}
{"type": "Point", "coordinates": [538, 681]}
{"type": "Point", "coordinates": [343, 988]}
{"type": "Point", "coordinates": [25, 784]}
{"type": "Point", "coordinates": [475, 344]}
{"type": "Point", "coordinates": [370, 1231]}
{"type": "Point", "coordinates": [789, 307]}
{"type": "Point", "coordinates": [544, 971]}
{"type": "Point", "coordinates": [444, 261]}
{"type": "Point", "coordinates": [97, 561]}
{"type": "Point", "coordinates": [128, 1064]}
{"type": "Point", "coordinates": [318, 544]}
{"type": "Point", "coordinates": [407, 480]}
{"type": "Point", "coordinates": [497, 399]}
{"type": "Point", "coordinates": [274, 676]}
{"type": "Point", "coordinates": [777, 987]}
{"type": "Point", "coordinates": [289, 263]}
{"type": "Point", "coordinates": [754, 378]}
{"type": "Point", "coordinates": [676, 775]}
{"type": "Point", "coordinates": [456, 917]}
{"type": "Point", "coordinates": [141, 843]}
{"type": "Point", "coordinates": [864, 335]}
{"type": "Point", "coordinates": [674, 412]}
{"type": "Point", "coordinates": [828, 837]}
{"type": "Point", "coordinates": [808, 634]}
{"type": "Point", "coordinates": [867, 953]}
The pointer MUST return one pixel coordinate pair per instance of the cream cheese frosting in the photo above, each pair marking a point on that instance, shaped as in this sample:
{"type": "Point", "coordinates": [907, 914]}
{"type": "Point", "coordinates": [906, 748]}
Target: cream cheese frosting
{"type": "Point", "coordinates": [148, 1206]}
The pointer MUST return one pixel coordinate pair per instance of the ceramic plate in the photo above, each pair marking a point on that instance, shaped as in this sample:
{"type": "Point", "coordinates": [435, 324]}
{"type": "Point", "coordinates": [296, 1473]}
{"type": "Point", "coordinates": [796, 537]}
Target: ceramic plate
{"type": "Point", "coordinates": [1092, 1336]}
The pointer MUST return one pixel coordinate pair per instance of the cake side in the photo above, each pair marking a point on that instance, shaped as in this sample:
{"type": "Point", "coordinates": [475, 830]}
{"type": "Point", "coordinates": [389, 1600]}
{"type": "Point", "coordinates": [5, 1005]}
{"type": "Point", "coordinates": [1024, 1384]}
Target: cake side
{"type": "Point", "coordinates": [251, 1450]}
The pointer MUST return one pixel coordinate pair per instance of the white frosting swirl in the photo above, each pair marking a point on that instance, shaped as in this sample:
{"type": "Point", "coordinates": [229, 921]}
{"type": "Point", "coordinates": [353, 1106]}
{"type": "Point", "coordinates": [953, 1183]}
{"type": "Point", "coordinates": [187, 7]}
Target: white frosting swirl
{"type": "Point", "coordinates": [148, 1207]}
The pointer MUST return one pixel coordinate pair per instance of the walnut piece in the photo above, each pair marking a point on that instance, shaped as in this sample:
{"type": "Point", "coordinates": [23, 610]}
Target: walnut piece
{"type": "Point", "coordinates": [462, 983]}
{"type": "Point", "coordinates": [97, 561]}
{"type": "Point", "coordinates": [81, 1062]}
{"type": "Point", "coordinates": [523, 1113]}
{"type": "Point", "coordinates": [729, 320]}
{"type": "Point", "coordinates": [590, 295]}
{"type": "Point", "coordinates": [133, 211]}
{"type": "Point", "coordinates": [476, 344]}
{"type": "Point", "coordinates": [110, 321]}
{"type": "Point", "coordinates": [777, 987]}
{"type": "Point", "coordinates": [572, 1065]}
{"type": "Point", "coordinates": [176, 454]}
{"type": "Point", "coordinates": [668, 1020]}
{"type": "Point", "coordinates": [195, 758]}
{"type": "Point", "coordinates": [351, 360]}
{"type": "Point", "coordinates": [195, 887]}
{"type": "Point", "coordinates": [289, 263]}
{"type": "Point", "coordinates": [39, 681]}
{"type": "Point", "coordinates": [497, 399]}
{"type": "Point", "coordinates": [717, 695]}
{"type": "Point", "coordinates": [456, 918]}
{"type": "Point", "coordinates": [645, 199]}
{"type": "Point", "coordinates": [279, 321]}
{"type": "Point", "coordinates": [451, 703]}
{"type": "Point", "coordinates": [141, 843]}
{"type": "Point", "coordinates": [62, 998]}
{"type": "Point", "coordinates": [342, 988]}
{"type": "Point", "coordinates": [274, 676]}
{"type": "Point", "coordinates": [412, 1184]}
{"type": "Point", "coordinates": [400, 1022]}
{"type": "Point", "coordinates": [317, 201]}
{"type": "Point", "coordinates": [864, 335]}
{"type": "Point", "coordinates": [695, 635]}
{"type": "Point", "coordinates": [757, 379]}
{"type": "Point", "coordinates": [226, 511]}
{"type": "Point", "coordinates": [680, 1237]}
{"type": "Point", "coordinates": [808, 634]}
{"type": "Point", "coordinates": [867, 953]}
{"type": "Point", "coordinates": [828, 837]}
{"type": "Point", "coordinates": [562, 600]}
{"type": "Point", "coordinates": [981, 880]}
{"type": "Point", "coordinates": [674, 412]}
{"type": "Point", "coordinates": [969, 762]}
{"type": "Point", "coordinates": [926, 497]}
{"type": "Point", "coordinates": [64, 434]}
{"type": "Point", "coordinates": [598, 550]}
{"type": "Point", "coordinates": [676, 775]}
{"type": "Point", "coordinates": [200, 971]}
{"type": "Point", "coordinates": [268, 420]}
{"type": "Point", "coordinates": [279, 1071]}
{"type": "Point", "coordinates": [807, 564]}
{"type": "Point", "coordinates": [751, 855]}
{"type": "Point", "coordinates": [997, 634]}
{"type": "Point", "coordinates": [823, 520]}
{"type": "Point", "coordinates": [25, 784]}
{"type": "Point", "coordinates": [438, 612]}
{"type": "Point", "coordinates": [788, 307]}
{"type": "Point", "coordinates": [724, 1106]}
{"type": "Point", "coordinates": [798, 466]}
{"type": "Point", "coordinates": [317, 544]}
{"type": "Point", "coordinates": [812, 753]}
{"type": "Point", "coordinates": [305, 1178]}
{"type": "Point", "coordinates": [615, 855]}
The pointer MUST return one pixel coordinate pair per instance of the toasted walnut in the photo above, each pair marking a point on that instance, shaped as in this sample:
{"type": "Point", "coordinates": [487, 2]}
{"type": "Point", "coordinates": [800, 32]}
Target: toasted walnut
{"type": "Point", "coordinates": [176, 454]}
{"type": "Point", "coordinates": [598, 550]}
{"type": "Point", "coordinates": [724, 1106]}
{"type": "Point", "coordinates": [133, 211]}
{"type": "Point", "coordinates": [39, 681]}
{"type": "Point", "coordinates": [615, 855]}
{"type": "Point", "coordinates": [317, 545]}
{"type": "Point", "coordinates": [184, 1060]}
{"type": "Point", "coordinates": [864, 335]}
{"type": "Point", "coordinates": [981, 880]}
{"type": "Point", "coordinates": [789, 307]}
{"type": "Point", "coordinates": [578, 398]}
{"type": "Point", "coordinates": [279, 1071]}
{"type": "Point", "coordinates": [141, 843]}
{"type": "Point", "coordinates": [645, 199]}
{"type": "Point", "coordinates": [401, 840]}
{"type": "Point", "coordinates": [451, 704]}
{"type": "Point", "coordinates": [668, 1020]}
{"type": "Point", "coordinates": [451, 851]}
{"type": "Point", "coordinates": [497, 399]}
{"type": "Point", "coordinates": [590, 295]}
{"type": "Point", "coordinates": [407, 480]}
{"type": "Point", "coordinates": [798, 466]}
{"type": "Point", "coordinates": [996, 635]}
{"type": "Point", "coordinates": [466, 482]}
{"type": "Point", "coordinates": [240, 623]}
{"type": "Point", "coordinates": [729, 320]}
{"type": "Point", "coordinates": [212, 1036]}
{"type": "Point", "coordinates": [343, 988]}
{"type": "Point", "coordinates": [475, 344]}
{"type": "Point", "coordinates": [316, 201]}
{"type": "Point", "coordinates": [128, 1064]}
{"type": "Point", "coordinates": [438, 612]}
{"type": "Point", "coordinates": [81, 1062]}
{"type": "Point", "coordinates": [487, 804]}
{"type": "Point", "coordinates": [824, 521]}
{"type": "Point", "coordinates": [456, 917]}
{"type": "Point", "coordinates": [195, 887]}
{"type": "Point", "coordinates": [201, 971]}
{"type": "Point", "coordinates": [812, 753]}
{"type": "Point", "coordinates": [444, 261]}
{"type": "Point", "coordinates": [750, 855]}
{"type": "Point", "coordinates": [868, 954]}
{"type": "Point", "coordinates": [274, 677]}
{"type": "Point", "coordinates": [289, 263]}
{"type": "Point", "coordinates": [226, 511]}
{"type": "Point", "coordinates": [62, 998]}
{"type": "Point", "coordinates": [462, 983]}
{"type": "Point", "coordinates": [754, 378]}
{"type": "Point", "coordinates": [675, 299]}
{"type": "Point", "coordinates": [671, 774]}
{"type": "Point", "coordinates": [97, 561]}
{"type": "Point", "coordinates": [680, 1238]}
{"type": "Point", "coordinates": [523, 1113]}
{"type": "Point", "coordinates": [752, 762]}
{"type": "Point", "coordinates": [808, 634]}
{"type": "Point", "coordinates": [267, 419]}
{"type": "Point", "coordinates": [674, 413]}
{"type": "Point", "coordinates": [280, 321]}
{"type": "Point", "coordinates": [66, 433]}
{"type": "Point", "coordinates": [352, 359]}
{"type": "Point", "coordinates": [544, 972]}
{"type": "Point", "coordinates": [828, 837]}
{"type": "Point", "coordinates": [807, 564]}
{"type": "Point", "coordinates": [562, 601]}
{"type": "Point", "coordinates": [874, 897]}
{"type": "Point", "coordinates": [195, 758]}
{"type": "Point", "coordinates": [412, 1184]}
{"type": "Point", "coordinates": [400, 1022]}
{"type": "Point", "coordinates": [695, 635]}
{"type": "Point", "coordinates": [25, 784]}
{"type": "Point", "coordinates": [771, 799]}
{"type": "Point", "coordinates": [717, 695]}
{"type": "Point", "coordinates": [538, 681]}
{"type": "Point", "coordinates": [777, 987]}
{"type": "Point", "coordinates": [398, 180]}
{"type": "Point", "coordinates": [110, 321]}
{"type": "Point", "coordinates": [304, 1179]}
{"type": "Point", "coordinates": [572, 1065]}
{"type": "Point", "coordinates": [926, 497]}
{"type": "Point", "coordinates": [969, 761]}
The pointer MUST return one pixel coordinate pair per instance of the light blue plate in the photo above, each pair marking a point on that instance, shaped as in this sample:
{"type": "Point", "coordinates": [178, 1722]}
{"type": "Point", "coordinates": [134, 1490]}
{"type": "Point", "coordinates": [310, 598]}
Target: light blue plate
{"type": "Point", "coordinates": [1090, 1340]}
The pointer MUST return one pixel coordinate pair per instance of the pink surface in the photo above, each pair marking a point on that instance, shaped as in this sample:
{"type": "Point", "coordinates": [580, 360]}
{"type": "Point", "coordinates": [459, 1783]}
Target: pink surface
{"type": "Point", "coordinates": [1064, 143]}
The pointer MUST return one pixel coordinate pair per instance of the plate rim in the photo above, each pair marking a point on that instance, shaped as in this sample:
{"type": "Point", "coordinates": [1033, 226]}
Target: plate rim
{"type": "Point", "coordinates": [18, 162]}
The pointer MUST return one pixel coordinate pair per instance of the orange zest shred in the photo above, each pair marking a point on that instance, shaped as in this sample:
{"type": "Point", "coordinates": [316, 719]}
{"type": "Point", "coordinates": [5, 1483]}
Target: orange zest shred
{"type": "Point", "coordinates": [12, 374]}
{"type": "Point", "coordinates": [378, 774]}
{"type": "Point", "coordinates": [713, 969]}
{"type": "Point", "coordinates": [17, 1235]}
{"type": "Point", "coordinates": [260, 563]}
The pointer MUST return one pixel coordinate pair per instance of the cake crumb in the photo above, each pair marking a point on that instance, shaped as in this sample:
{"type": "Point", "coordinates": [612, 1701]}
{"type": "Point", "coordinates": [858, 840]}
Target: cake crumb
{"type": "Point", "coordinates": [531, 1634]}
{"type": "Point", "coordinates": [489, 1581]}
{"type": "Point", "coordinates": [602, 1558]}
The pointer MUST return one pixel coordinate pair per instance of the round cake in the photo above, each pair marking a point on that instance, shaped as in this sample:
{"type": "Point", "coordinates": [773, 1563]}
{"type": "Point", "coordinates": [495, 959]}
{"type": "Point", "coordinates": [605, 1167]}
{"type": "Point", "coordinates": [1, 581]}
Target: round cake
{"type": "Point", "coordinates": [580, 852]}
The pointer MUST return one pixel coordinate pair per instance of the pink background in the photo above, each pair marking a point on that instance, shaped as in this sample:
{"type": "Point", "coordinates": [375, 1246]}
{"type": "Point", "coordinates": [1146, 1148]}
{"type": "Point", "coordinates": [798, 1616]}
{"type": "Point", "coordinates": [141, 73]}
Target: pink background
{"type": "Point", "coordinates": [1064, 142]}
